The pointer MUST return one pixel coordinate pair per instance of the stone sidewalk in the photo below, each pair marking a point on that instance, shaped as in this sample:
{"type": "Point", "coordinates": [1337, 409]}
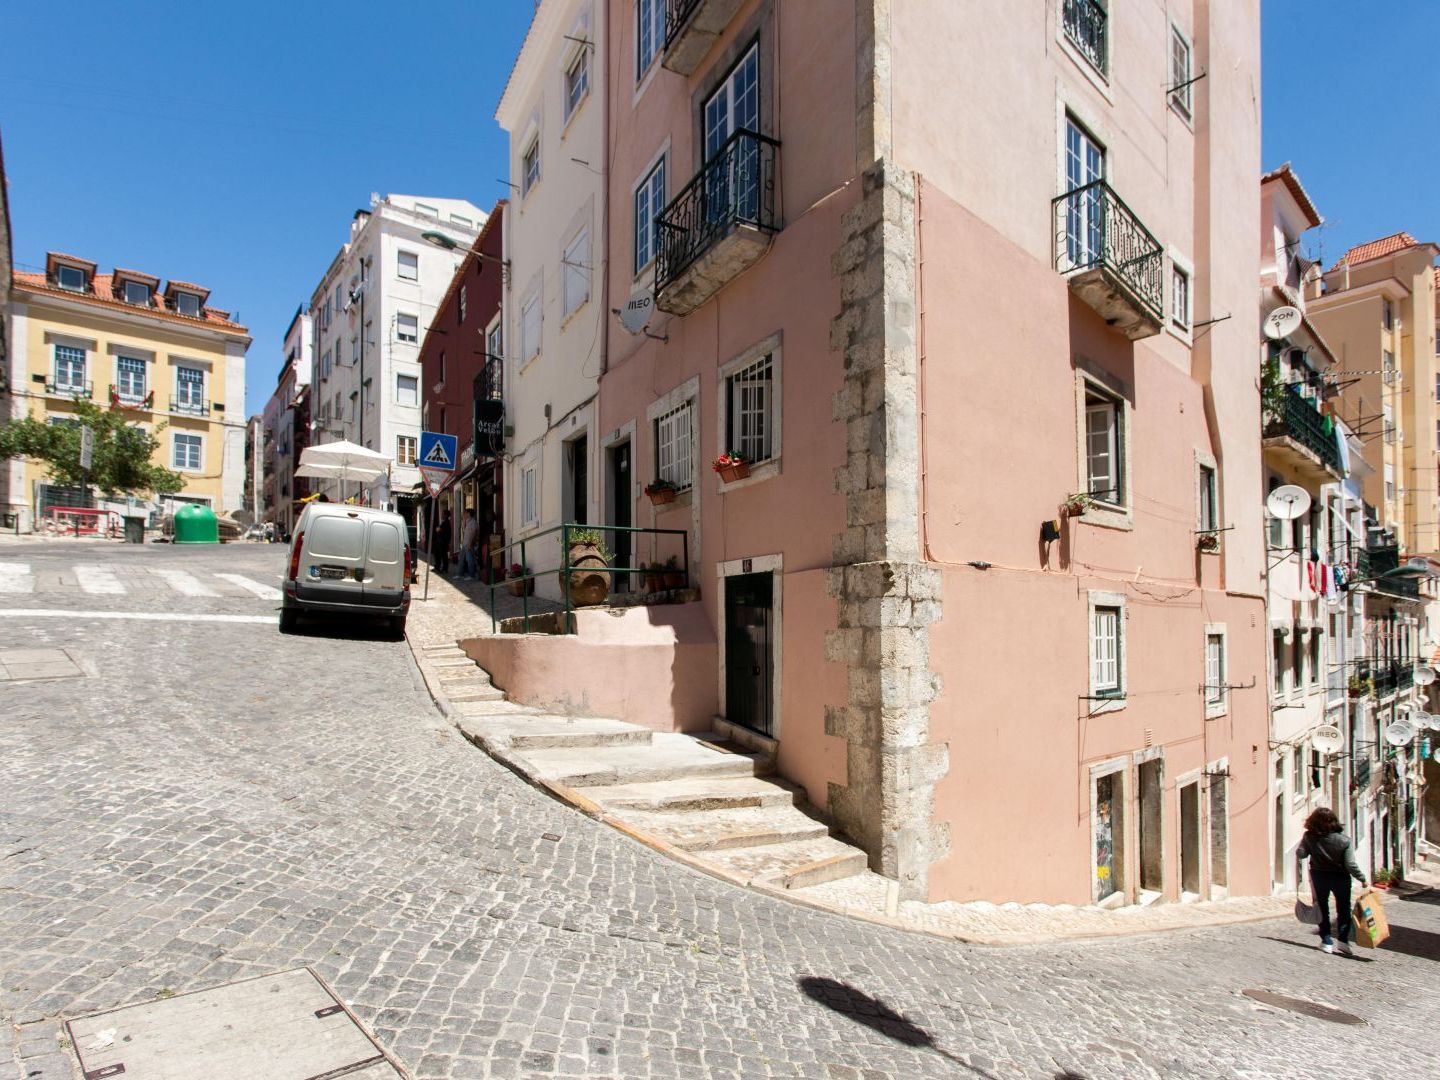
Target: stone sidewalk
{"type": "Point", "coordinates": [459, 609]}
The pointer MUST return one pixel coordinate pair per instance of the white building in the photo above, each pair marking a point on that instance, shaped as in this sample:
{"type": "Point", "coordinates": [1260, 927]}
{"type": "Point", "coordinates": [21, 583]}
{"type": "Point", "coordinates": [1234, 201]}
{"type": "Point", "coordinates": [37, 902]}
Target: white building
{"type": "Point", "coordinates": [555, 310]}
{"type": "Point", "coordinates": [370, 312]}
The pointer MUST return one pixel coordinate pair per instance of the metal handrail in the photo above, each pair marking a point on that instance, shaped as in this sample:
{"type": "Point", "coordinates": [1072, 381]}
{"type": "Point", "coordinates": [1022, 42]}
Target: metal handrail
{"type": "Point", "coordinates": [1094, 228]}
{"type": "Point", "coordinates": [76, 390]}
{"type": "Point", "coordinates": [190, 408]}
{"type": "Point", "coordinates": [1087, 25]}
{"type": "Point", "coordinates": [565, 568]}
{"type": "Point", "coordinates": [736, 186]}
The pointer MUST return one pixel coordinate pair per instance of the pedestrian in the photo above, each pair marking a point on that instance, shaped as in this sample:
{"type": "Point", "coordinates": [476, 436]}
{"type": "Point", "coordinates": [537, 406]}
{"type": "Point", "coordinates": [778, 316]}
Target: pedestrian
{"type": "Point", "coordinates": [1332, 865]}
{"type": "Point", "coordinates": [441, 555]}
{"type": "Point", "coordinates": [469, 537]}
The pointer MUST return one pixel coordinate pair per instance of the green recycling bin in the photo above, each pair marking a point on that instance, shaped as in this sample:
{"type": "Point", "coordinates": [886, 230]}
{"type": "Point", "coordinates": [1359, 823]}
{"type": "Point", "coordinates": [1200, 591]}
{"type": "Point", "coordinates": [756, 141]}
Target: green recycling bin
{"type": "Point", "coordinates": [195, 524]}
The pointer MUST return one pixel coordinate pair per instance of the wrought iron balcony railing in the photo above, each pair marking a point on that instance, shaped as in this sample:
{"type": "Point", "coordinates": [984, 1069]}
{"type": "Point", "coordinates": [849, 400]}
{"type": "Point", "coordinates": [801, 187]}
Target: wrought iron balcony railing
{"type": "Point", "coordinates": [1381, 560]}
{"type": "Point", "coordinates": [190, 406]}
{"type": "Point", "coordinates": [1095, 229]}
{"type": "Point", "coordinates": [677, 14]}
{"type": "Point", "coordinates": [735, 187]}
{"type": "Point", "coordinates": [70, 389]}
{"type": "Point", "coordinates": [1362, 771]}
{"type": "Point", "coordinates": [1300, 420]}
{"type": "Point", "coordinates": [1087, 25]}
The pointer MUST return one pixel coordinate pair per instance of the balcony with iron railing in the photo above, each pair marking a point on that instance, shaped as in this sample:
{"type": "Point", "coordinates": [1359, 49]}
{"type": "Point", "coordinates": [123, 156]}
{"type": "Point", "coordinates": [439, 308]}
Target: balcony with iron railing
{"type": "Point", "coordinates": [1297, 438]}
{"type": "Point", "coordinates": [1111, 260]}
{"type": "Point", "coordinates": [77, 390]}
{"type": "Point", "coordinates": [719, 225]}
{"type": "Point", "coordinates": [691, 28]}
{"type": "Point", "coordinates": [1087, 27]}
{"type": "Point", "coordinates": [1383, 559]}
{"type": "Point", "coordinates": [190, 406]}
{"type": "Point", "coordinates": [1361, 770]}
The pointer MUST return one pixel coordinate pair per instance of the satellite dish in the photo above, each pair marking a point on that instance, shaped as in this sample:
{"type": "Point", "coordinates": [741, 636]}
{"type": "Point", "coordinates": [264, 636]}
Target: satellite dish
{"type": "Point", "coordinates": [1433, 722]}
{"type": "Point", "coordinates": [1327, 739]}
{"type": "Point", "coordinates": [635, 315]}
{"type": "Point", "coordinates": [1282, 322]}
{"type": "Point", "coordinates": [1424, 676]}
{"type": "Point", "coordinates": [1399, 733]}
{"type": "Point", "coordinates": [1418, 565]}
{"type": "Point", "coordinates": [1288, 502]}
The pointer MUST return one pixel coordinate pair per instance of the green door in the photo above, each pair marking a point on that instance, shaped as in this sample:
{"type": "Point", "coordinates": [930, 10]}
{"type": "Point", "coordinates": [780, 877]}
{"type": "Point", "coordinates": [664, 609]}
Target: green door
{"type": "Point", "coordinates": [749, 660]}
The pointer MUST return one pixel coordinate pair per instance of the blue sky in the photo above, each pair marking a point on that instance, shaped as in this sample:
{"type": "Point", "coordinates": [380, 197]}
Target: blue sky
{"type": "Point", "coordinates": [229, 147]}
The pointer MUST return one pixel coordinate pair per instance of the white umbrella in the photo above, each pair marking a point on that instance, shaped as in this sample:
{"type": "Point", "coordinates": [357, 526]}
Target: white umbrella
{"type": "Point", "coordinates": [344, 461]}
{"type": "Point", "coordinates": [340, 472]}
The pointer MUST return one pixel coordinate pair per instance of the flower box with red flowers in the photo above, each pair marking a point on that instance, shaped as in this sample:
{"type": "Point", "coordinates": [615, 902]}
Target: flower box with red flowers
{"type": "Point", "coordinates": [731, 467]}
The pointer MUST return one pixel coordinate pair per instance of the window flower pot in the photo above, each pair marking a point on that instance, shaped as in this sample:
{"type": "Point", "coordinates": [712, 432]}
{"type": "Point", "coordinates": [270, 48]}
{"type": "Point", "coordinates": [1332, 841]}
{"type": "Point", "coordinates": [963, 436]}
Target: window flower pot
{"type": "Point", "coordinates": [521, 588]}
{"type": "Point", "coordinates": [1208, 542]}
{"type": "Point", "coordinates": [674, 579]}
{"type": "Point", "coordinates": [731, 473]}
{"type": "Point", "coordinates": [661, 496]}
{"type": "Point", "coordinates": [654, 582]}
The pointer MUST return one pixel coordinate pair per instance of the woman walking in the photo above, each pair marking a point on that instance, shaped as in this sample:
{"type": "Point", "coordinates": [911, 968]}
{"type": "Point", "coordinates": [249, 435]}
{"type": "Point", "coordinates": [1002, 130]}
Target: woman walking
{"type": "Point", "coordinates": [1332, 865]}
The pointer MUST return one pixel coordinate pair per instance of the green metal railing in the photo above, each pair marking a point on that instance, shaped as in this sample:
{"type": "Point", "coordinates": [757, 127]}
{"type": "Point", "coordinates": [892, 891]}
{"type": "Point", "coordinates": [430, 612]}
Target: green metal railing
{"type": "Point", "coordinates": [563, 533]}
{"type": "Point", "coordinates": [1302, 421]}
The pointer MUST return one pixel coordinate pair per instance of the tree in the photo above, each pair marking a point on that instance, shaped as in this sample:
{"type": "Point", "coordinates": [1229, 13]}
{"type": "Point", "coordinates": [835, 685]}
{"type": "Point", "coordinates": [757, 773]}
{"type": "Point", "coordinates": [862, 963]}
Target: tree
{"type": "Point", "coordinates": [120, 461]}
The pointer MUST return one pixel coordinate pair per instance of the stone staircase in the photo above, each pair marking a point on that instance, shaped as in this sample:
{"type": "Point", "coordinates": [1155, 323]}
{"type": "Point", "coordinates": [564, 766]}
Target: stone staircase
{"type": "Point", "coordinates": [706, 796]}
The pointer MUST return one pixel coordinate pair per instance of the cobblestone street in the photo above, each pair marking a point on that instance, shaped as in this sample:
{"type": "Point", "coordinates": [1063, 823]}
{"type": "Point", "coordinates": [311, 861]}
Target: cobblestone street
{"type": "Point", "coordinates": [212, 801]}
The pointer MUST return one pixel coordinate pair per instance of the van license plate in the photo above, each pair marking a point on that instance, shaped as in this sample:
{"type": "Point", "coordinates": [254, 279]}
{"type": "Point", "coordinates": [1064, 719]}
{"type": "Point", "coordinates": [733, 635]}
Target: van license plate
{"type": "Point", "coordinates": [332, 571]}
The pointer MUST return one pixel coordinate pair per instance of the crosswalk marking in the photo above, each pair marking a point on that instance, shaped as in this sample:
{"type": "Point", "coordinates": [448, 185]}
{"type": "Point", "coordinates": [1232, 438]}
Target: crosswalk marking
{"type": "Point", "coordinates": [98, 579]}
{"type": "Point", "coordinates": [15, 578]}
{"type": "Point", "coordinates": [265, 592]}
{"type": "Point", "coordinates": [184, 582]}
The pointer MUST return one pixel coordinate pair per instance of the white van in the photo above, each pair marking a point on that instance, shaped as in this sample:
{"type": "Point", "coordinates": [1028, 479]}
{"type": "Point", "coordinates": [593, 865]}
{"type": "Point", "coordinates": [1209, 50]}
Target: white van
{"type": "Point", "coordinates": [348, 560]}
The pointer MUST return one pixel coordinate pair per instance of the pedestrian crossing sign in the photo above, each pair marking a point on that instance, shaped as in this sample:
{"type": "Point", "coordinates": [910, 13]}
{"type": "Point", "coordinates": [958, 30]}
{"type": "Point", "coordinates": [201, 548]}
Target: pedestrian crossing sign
{"type": "Point", "coordinates": [437, 451]}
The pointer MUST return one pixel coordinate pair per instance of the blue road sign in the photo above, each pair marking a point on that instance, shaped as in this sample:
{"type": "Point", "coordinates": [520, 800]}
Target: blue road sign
{"type": "Point", "coordinates": [437, 451]}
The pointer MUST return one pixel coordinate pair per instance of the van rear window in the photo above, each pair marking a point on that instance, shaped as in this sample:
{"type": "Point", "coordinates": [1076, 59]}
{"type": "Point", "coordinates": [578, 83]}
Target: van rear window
{"type": "Point", "coordinates": [385, 544]}
{"type": "Point", "coordinates": [338, 538]}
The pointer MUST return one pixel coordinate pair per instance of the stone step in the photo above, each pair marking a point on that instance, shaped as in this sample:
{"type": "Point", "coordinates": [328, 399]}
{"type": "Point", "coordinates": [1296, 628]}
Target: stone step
{"type": "Point", "coordinates": [668, 756]}
{"type": "Point", "coordinates": [732, 827]}
{"type": "Point", "coordinates": [546, 731]}
{"type": "Point", "coordinates": [472, 691]}
{"type": "Point", "coordinates": [454, 672]}
{"type": "Point", "coordinates": [492, 706]}
{"type": "Point", "coordinates": [779, 863]}
{"type": "Point", "coordinates": [458, 662]}
{"type": "Point", "coordinates": [693, 793]}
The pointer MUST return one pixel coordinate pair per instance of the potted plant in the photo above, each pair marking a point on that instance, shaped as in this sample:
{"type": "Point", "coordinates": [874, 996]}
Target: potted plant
{"type": "Point", "coordinates": [661, 491]}
{"type": "Point", "coordinates": [588, 583]}
{"type": "Point", "coordinates": [731, 466]}
{"type": "Point", "coordinates": [1381, 879]}
{"type": "Point", "coordinates": [1075, 505]}
{"type": "Point", "coordinates": [654, 577]}
{"type": "Point", "coordinates": [518, 584]}
{"type": "Point", "coordinates": [674, 576]}
{"type": "Point", "coordinates": [1208, 541]}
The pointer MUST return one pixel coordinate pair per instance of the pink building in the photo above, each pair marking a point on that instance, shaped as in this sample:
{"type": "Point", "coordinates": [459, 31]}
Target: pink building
{"type": "Point", "coordinates": [939, 273]}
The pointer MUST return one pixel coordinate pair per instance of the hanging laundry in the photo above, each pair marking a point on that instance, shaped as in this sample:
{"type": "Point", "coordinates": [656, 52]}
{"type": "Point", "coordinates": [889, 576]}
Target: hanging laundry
{"type": "Point", "coordinates": [1310, 573]}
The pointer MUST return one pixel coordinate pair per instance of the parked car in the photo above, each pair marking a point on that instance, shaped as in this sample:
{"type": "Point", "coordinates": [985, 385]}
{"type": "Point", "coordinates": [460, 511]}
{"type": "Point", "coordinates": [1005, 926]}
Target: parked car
{"type": "Point", "coordinates": [347, 560]}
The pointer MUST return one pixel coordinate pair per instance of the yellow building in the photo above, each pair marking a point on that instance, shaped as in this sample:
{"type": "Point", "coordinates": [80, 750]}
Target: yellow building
{"type": "Point", "coordinates": [121, 340]}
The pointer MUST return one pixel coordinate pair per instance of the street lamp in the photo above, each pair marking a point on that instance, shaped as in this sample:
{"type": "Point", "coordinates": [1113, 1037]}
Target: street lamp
{"type": "Point", "coordinates": [449, 243]}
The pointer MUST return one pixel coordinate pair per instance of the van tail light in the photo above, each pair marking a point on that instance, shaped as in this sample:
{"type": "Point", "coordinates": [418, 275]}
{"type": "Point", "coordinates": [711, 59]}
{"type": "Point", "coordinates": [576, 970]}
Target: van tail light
{"type": "Point", "coordinates": [405, 581]}
{"type": "Point", "coordinates": [295, 556]}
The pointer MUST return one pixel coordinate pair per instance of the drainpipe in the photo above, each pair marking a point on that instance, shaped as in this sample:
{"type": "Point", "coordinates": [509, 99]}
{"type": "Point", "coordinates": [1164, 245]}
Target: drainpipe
{"type": "Point", "coordinates": [605, 210]}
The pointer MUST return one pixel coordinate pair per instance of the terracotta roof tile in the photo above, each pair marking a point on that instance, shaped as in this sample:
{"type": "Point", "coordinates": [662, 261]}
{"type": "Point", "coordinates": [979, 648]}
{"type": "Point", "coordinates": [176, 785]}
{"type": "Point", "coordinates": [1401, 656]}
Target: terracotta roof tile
{"type": "Point", "coordinates": [1378, 249]}
{"type": "Point", "coordinates": [101, 296]}
{"type": "Point", "coordinates": [1297, 190]}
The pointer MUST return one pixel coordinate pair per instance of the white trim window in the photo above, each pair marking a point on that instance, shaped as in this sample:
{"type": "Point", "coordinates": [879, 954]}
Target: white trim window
{"type": "Point", "coordinates": [1180, 61]}
{"type": "Point", "coordinates": [674, 456]}
{"type": "Point", "coordinates": [69, 366]}
{"type": "Point", "coordinates": [405, 447]}
{"type": "Point", "coordinates": [577, 80]}
{"type": "Point", "coordinates": [530, 495]}
{"type": "Point", "coordinates": [1214, 672]}
{"type": "Point", "coordinates": [750, 393]}
{"type": "Point", "coordinates": [72, 278]}
{"type": "Point", "coordinates": [1104, 444]}
{"type": "Point", "coordinates": [407, 390]}
{"type": "Point", "coordinates": [407, 265]}
{"type": "Point", "coordinates": [187, 303]}
{"type": "Point", "coordinates": [649, 34]}
{"type": "Point", "coordinates": [1180, 296]}
{"type": "Point", "coordinates": [137, 293]}
{"type": "Point", "coordinates": [530, 327]}
{"type": "Point", "coordinates": [495, 340]}
{"type": "Point", "coordinates": [1209, 512]}
{"type": "Point", "coordinates": [530, 166]}
{"type": "Point", "coordinates": [649, 202]}
{"type": "Point", "coordinates": [1084, 213]}
{"type": "Point", "coordinates": [190, 389]}
{"type": "Point", "coordinates": [130, 378]}
{"type": "Point", "coordinates": [186, 451]}
{"type": "Point", "coordinates": [1106, 648]}
{"type": "Point", "coordinates": [575, 272]}
{"type": "Point", "coordinates": [407, 327]}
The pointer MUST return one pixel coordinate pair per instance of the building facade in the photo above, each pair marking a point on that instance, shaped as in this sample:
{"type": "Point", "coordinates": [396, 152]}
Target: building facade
{"type": "Point", "coordinates": [287, 427]}
{"type": "Point", "coordinates": [554, 306]}
{"type": "Point", "coordinates": [996, 553]}
{"type": "Point", "coordinates": [370, 311]}
{"type": "Point", "coordinates": [160, 354]}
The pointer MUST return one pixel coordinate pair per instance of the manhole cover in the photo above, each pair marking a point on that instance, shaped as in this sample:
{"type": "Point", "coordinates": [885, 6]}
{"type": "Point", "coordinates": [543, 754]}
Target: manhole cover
{"type": "Point", "coordinates": [287, 1026]}
{"type": "Point", "coordinates": [1303, 1007]}
{"type": "Point", "coordinates": [16, 664]}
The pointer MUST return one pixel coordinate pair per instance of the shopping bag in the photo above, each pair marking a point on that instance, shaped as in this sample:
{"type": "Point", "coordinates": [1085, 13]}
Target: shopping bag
{"type": "Point", "coordinates": [1371, 928]}
{"type": "Point", "coordinates": [1306, 912]}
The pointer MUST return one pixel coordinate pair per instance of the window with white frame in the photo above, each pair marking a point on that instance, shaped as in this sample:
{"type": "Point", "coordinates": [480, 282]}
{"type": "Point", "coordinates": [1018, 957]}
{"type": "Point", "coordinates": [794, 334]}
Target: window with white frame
{"type": "Point", "coordinates": [462, 300]}
{"type": "Point", "coordinates": [529, 496]}
{"type": "Point", "coordinates": [130, 378]}
{"type": "Point", "coordinates": [1387, 315]}
{"type": "Point", "coordinates": [1387, 416]}
{"type": "Point", "coordinates": [407, 390]}
{"type": "Point", "coordinates": [577, 80]}
{"type": "Point", "coordinates": [495, 340]}
{"type": "Point", "coordinates": [1314, 665]}
{"type": "Point", "coordinates": [138, 293]}
{"type": "Point", "coordinates": [649, 201]}
{"type": "Point", "coordinates": [189, 389]}
{"type": "Point", "coordinates": [649, 34]}
{"type": "Point", "coordinates": [405, 446]}
{"type": "Point", "coordinates": [72, 278]}
{"type": "Point", "coordinates": [186, 452]}
{"type": "Point", "coordinates": [426, 211]}
{"type": "Point", "coordinates": [750, 411]}
{"type": "Point", "coordinates": [1209, 515]}
{"type": "Point", "coordinates": [1277, 661]}
{"type": "Point", "coordinates": [1104, 445]}
{"type": "Point", "coordinates": [325, 365]}
{"type": "Point", "coordinates": [1389, 483]}
{"type": "Point", "coordinates": [407, 265]}
{"type": "Point", "coordinates": [1180, 96]}
{"type": "Point", "coordinates": [1180, 296]}
{"type": "Point", "coordinates": [1105, 650]}
{"type": "Point", "coordinates": [1214, 670]}
{"type": "Point", "coordinates": [187, 304]}
{"type": "Point", "coordinates": [575, 271]}
{"type": "Point", "coordinates": [530, 327]}
{"type": "Point", "coordinates": [530, 166]}
{"type": "Point", "coordinates": [407, 327]}
{"type": "Point", "coordinates": [674, 460]}
{"type": "Point", "coordinates": [69, 367]}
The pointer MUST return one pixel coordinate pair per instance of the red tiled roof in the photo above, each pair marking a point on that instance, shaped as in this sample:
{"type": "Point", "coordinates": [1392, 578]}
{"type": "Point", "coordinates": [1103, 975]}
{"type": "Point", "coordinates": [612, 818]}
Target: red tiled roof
{"type": "Point", "coordinates": [1378, 249]}
{"type": "Point", "coordinates": [102, 295]}
{"type": "Point", "coordinates": [1297, 190]}
{"type": "Point", "coordinates": [186, 285]}
{"type": "Point", "coordinates": [136, 275]}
